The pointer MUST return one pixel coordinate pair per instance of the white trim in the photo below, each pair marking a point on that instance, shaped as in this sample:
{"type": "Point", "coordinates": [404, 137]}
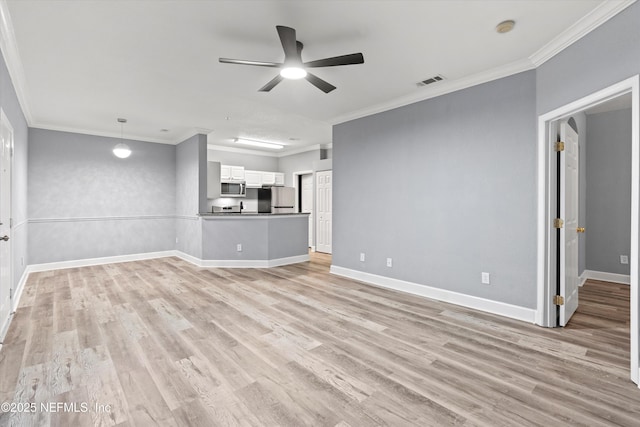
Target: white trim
{"type": "Point", "coordinates": [114, 135]}
{"type": "Point", "coordinates": [476, 303]}
{"type": "Point", "coordinates": [545, 214]}
{"type": "Point", "coordinates": [442, 88]}
{"type": "Point", "coordinates": [240, 150]}
{"type": "Point", "coordinates": [19, 289]}
{"type": "Point", "coordinates": [98, 261]}
{"type": "Point", "coordinates": [623, 279]}
{"type": "Point", "coordinates": [241, 263]}
{"type": "Point", "coordinates": [11, 56]}
{"type": "Point", "coordinates": [5, 328]}
{"type": "Point", "coordinates": [285, 153]}
{"type": "Point", "coordinates": [99, 218]}
{"type": "Point", "coordinates": [598, 16]}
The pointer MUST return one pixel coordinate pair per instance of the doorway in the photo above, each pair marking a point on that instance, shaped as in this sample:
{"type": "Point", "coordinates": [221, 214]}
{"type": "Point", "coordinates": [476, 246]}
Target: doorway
{"type": "Point", "coordinates": [551, 193]}
{"type": "Point", "coordinates": [324, 185]}
{"type": "Point", "coordinates": [6, 259]}
{"type": "Point", "coordinates": [305, 201]}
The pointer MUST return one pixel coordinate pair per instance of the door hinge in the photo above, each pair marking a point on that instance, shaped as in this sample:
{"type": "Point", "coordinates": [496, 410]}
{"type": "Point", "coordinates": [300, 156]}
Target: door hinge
{"type": "Point", "coordinates": [559, 146]}
{"type": "Point", "coordinates": [558, 300]}
{"type": "Point", "coordinates": [558, 223]}
{"type": "Point", "coordinates": [10, 293]}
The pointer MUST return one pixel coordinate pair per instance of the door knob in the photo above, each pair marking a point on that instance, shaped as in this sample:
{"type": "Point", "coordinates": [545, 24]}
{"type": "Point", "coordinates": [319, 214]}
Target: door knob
{"type": "Point", "coordinates": [5, 238]}
{"type": "Point", "coordinates": [580, 229]}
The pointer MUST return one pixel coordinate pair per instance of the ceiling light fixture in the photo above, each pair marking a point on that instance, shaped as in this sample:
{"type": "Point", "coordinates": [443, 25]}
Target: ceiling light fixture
{"type": "Point", "coordinates": [259, 144]}
{"type": "Point", "coordinates": [505, 26]}
{"type": "Point", "coordinates": [293, 73]}
{"type": "Point", "coordinates": [122, 150]}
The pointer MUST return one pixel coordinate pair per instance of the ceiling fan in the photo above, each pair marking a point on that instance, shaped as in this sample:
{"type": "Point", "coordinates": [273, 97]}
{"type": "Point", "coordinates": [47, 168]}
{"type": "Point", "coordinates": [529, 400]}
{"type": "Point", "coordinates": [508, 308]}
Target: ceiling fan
{"type": "Point", "coordinates": [293, 67]}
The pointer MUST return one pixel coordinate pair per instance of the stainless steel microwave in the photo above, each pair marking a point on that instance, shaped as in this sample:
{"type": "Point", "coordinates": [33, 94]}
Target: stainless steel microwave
{"type": "Point", "coordinates": [233, 189]}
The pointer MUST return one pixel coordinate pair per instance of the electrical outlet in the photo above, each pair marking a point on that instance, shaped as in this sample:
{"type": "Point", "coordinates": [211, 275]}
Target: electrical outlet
{"type": "Point", "coordinates": [624, 259]}
{"type": "Point", "coordinates": [239, 247]}
{"type": "Point", "coordinates": [362, 256]}
{"type": "Point", "coordinates": [389, 262]}
{"type": "Point", "coordinates": [485, 278]}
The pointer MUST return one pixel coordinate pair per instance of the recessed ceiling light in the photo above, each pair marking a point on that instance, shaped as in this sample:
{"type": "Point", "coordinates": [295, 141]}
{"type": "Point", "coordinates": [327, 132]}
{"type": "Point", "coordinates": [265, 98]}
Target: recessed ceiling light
{"type": "Point", "coordinates": [259, 143]}
{"type": "Point", "coordinates": [505, 26]}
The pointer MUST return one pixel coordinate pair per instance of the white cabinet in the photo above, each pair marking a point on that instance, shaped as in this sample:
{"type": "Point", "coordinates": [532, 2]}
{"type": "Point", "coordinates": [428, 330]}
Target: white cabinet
{"type": "Point", "coordinates": [235, 173]}
{"type": "Point", "coordinates": [268, 178]}
{"type": "Point", "coordinates": [213, 180]}
{"type": "Point", "coordinates": [225, 172]}
{"type": "Point", "coordinates": [253, 179]}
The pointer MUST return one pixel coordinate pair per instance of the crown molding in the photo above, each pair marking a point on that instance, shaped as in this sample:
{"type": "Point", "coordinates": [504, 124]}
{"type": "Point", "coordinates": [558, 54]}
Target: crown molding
{"type": "Point", "coordinates": [98, 133]}
{"type": "Point", "coordinates": [11, 56]}
{"type": "Point", "coordinates": [267, 154]}
{"type": "Point", "coordinates": [598, 16]}
{"type": "Point", "coordinates": [240, 150]}
{"type": "Point", "coordinates": [441, 88]}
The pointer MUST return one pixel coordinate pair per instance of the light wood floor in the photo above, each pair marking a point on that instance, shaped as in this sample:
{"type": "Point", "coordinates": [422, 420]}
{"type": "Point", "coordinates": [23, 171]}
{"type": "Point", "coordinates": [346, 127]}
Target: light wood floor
{"type": "Point", "coordinates": [162, 342]}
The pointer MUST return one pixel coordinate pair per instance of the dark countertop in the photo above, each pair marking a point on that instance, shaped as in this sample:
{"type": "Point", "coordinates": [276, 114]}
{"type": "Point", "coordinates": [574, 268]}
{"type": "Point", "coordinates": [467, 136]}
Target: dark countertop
{"type": "Point", "coordinates": [247, 214]}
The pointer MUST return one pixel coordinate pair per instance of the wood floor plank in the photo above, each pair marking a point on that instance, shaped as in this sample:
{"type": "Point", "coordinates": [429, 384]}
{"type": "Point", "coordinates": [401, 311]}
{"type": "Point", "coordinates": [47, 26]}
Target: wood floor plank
{"type": "Point", "coordinates": [163, 342]}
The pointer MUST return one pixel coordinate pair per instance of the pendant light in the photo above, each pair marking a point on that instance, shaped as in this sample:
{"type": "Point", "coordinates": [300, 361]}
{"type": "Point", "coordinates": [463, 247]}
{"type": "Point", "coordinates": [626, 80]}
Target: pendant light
{"type": "Point", "coordinates": [122, 150]}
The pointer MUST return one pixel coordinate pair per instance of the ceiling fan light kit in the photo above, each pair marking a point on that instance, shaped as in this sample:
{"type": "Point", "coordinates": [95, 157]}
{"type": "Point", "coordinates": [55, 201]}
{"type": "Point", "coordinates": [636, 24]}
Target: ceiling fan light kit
{"type": "Point", "coordinates": [293, 55]}
{"type": "Point", "coordinates": [293, 73]}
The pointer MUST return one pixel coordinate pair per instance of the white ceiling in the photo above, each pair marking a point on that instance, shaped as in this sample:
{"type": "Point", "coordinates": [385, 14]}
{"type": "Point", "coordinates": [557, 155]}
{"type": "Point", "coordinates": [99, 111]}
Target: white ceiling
{"type": "Point", "coordinates": [79, 65]}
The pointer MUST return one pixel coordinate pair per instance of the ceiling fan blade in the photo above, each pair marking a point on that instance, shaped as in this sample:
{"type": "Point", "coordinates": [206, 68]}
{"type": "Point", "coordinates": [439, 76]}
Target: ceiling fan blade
{"type": "Point", "coordinates": [353, 58]}
{"type": "Point", "coordinates": [319, 83]}
{"type": "Point", "coordinates": [288, 40]}
{"type": "Point", "coordinates": [245, 62]}
{"type": "Point", "coordinates": [266, 88]}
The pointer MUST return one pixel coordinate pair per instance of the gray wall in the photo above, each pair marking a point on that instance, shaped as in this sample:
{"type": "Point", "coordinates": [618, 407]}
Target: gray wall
{"type": "Point", "coordinates": [296, 163]}
{"type": "Point", "coordinates": [19, 233]}
{"type": "Point", "coordinates": [261, 237]}
{"type": "Point", "coordinates": [191, 193]}
{"type": "Point", "coordinates": [607, 55]}
{"type": "Point", "coordinates": [608, 191]}
{"type": "Point", "coordinates": [446, 187]}
{"type": "Point", "coordinates": [85, 203]}
{"type": "Point", "coordinates": [249, 161]}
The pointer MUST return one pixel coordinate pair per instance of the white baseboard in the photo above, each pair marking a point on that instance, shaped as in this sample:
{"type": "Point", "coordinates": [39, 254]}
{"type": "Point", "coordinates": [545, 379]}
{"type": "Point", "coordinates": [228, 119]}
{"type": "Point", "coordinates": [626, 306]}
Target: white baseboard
{"type": "Point", "coordinates": [494, 307]}
{"type": "Point", "coordinates": [98, 261]}
{"type": "Point", "coordinates": [242, 263]}
{"type": "Point", "coordinates": [605, 277]}
{"type": "Point", "coordinates": [18, 293]}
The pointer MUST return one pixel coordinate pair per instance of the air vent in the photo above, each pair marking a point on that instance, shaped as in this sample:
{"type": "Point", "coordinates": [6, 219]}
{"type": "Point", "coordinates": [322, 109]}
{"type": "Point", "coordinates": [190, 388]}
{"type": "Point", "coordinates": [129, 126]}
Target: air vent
{"type": "Point", "coordinates": [430, 80]}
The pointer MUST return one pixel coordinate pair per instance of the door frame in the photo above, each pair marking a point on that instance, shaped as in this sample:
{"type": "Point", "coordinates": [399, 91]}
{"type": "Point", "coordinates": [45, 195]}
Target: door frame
{"type": "Point", "coordinates": [5, 322]}
{"type": "Point", "coordinates": [316, 208]}
{"type": "Point", "coordinates": [545, 311]}
{"type": "Point", "coordinates": [296, 178]}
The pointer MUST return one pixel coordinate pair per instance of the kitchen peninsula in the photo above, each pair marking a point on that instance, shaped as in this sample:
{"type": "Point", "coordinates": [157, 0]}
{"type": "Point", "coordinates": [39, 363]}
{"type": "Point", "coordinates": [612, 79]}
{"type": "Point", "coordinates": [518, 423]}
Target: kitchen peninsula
{"type": "Point", "coordinates": [254, 239]}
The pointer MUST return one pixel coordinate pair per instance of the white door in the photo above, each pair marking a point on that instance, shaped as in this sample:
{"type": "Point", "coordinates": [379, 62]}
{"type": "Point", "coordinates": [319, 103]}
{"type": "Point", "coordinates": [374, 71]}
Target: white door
{"type": "Point", "coordinates": [323, 211]}
{"type": "Point", "coordinates": [6, 138]}
{"type": "Point", "coordinates": [306, 201]}
{"type": "Point", "coordinates": [569, 161]}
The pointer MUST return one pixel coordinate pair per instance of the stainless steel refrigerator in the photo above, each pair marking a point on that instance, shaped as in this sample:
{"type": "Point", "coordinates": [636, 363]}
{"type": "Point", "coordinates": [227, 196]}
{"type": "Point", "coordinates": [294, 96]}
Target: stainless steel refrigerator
{"type": "Point", "coordinates": [277, 200]}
